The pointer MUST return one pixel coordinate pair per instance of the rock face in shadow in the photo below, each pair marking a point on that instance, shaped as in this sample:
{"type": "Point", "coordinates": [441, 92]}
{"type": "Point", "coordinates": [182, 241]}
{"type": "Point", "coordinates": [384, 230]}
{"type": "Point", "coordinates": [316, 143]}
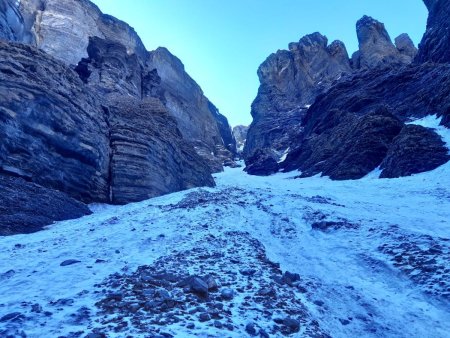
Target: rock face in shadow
{"type": "Point", "coordinates": [110, 69]}
{"type": "Point", "coordinates": [349, 147]}
{"type": "Point", "coordinates": [342, 134]}
{"type": "Point", "coordinates": [414, 91]}
{"type": "Point", "coordinates": [11, 22]}
{"type": "Point", "coordinates": [263, 163]}
{"type": "Point", "coordinates": [424, 90]}
{"type": "Point", "coordinates": [435, 44]}
{"type": "Point", "coordinates": [149, 156]}
{"type": "Point", "coordinates": [27, 207]}
{"type": "Point", "coordinates": [53, 129]}
{"type": "Point", "coordinates": [416, 149]}
{"type": "Point", "coordinates": [291, 80]}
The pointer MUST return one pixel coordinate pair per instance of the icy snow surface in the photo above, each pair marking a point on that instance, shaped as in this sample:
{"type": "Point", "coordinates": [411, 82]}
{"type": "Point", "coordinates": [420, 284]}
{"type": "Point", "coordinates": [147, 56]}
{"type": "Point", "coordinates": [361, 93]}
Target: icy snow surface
{"type": "Point", "coordinates": [372, 255]}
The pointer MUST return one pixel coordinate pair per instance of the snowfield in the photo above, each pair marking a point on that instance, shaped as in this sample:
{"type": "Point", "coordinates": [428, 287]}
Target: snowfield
{"type": "Point", "coordinates": [372, 255]}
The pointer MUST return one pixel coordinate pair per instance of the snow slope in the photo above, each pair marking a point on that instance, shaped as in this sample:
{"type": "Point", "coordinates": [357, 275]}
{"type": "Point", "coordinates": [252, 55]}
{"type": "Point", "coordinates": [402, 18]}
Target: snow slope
{"type": "Point", "coordinates": [373, 256]}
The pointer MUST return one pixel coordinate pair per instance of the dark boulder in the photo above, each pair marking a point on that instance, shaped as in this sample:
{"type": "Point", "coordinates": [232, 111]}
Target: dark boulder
{"type": "Point", "coordinates": [27, 207]}
{"type": "Point", "coordinates": [416, 149]}
{"type": "Point", "coordinates": [435, 44]}
{"type": "Point", "coordinates": [149, 156]}
{"type": "Point", "coordinates": [53, 130]}
{"type": "Point", "coordinates": [262, 163]}
{"type": "Point", "coordinates": [349, 148]}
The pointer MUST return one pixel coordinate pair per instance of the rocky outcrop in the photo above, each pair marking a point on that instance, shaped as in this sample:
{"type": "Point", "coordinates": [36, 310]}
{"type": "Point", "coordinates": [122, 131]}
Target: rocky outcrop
{"type": "Point", "coordinates": [110, 69]}
{"type": "Point", "coordinates": [62, 28]}
{"type": "Point", "coordinates": [53, 130]}
{"type": "Point", "coordinates": [263, 163]}
{"type": "Point", "coordinates": [71, 137]}
{"type": "Point", "coordinates": [416, 149]}
{"type": "Point", "coordinates": [291, 80]}
{"type": "Point", "coordinates": [376, 48]}
{"type": "Point", "coordinates": [425, 90]}
{"type": "Point", "coordinates": [149, 156]}
{"type": "Point", "coordinates": [406, 46]}
{"type": "Point", "coordinates": [435, 45]}
{"type": "Point", "coordinates": [349, 148]}
{"type": "Point", "coordinates": [240, 135]}
{"type": "Point", "coordinates": [27, 207]}
{"type": "Point", "coordinates": [415, 91]}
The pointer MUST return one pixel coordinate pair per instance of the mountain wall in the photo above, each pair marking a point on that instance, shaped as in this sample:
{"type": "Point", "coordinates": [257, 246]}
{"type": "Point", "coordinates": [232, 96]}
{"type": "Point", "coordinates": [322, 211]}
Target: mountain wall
{"type": "Point", "coordinates": [65, 28]}
{"type": "Point", "coordinates": [359, 107]}
{"type": "Point", "coordinates": [85, 114]}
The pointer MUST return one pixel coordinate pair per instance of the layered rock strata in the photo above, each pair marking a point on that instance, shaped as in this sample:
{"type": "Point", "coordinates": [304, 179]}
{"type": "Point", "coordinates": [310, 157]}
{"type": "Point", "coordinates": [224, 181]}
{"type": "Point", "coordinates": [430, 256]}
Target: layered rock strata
{"type": "Point", "coordinates": [149, 156]}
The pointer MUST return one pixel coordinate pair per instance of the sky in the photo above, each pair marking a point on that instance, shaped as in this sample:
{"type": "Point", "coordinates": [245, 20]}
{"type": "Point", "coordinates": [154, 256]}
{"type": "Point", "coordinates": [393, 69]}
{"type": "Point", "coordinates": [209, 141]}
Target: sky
{"type": "Point", "coordinates": [223, 42]}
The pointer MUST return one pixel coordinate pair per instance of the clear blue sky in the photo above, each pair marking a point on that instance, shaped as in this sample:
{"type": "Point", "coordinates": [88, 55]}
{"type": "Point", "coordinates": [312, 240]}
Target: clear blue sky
{"type": "Point", "coordinates": [222, 42]}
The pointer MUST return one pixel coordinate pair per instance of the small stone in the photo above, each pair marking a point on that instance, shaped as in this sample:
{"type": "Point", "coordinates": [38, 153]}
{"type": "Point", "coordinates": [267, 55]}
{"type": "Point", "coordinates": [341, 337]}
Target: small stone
{"type": "Point", "coordinates": [12, 317]}
{"type": "Point", "coordinates": [248, 272]}
{"type": "Point", "coordinates": [199, 287]}
{"type": "Point", "coordinates": [69, 262]}
{"type": "Point", "coordinates": [250, 329]}
{"type": "Point", "coordinates": [36, 308]}
{"type": "Point", "coordinates": [204, 317]}
{"type": "Point", "coordinates": [291, 324]}
{"type": "Point", "coordinates": [190, 326]}
{"type": "Point", "coordinates": [290, 278]}
{"type": "Point", "coordinates": [96, 335]}
{"type": "Point", "coordinates": [263, 334]}
{"type": "Point", "coordinates": [212, 284]}
{"type": "Point", "coordinates": [344, 321]}
{"type": "Point", "coordinates": [227, 294]}
{"type": "Point", "coordinates": [218, 324]}
{"type": "Point", "coordinates": [319, 302]}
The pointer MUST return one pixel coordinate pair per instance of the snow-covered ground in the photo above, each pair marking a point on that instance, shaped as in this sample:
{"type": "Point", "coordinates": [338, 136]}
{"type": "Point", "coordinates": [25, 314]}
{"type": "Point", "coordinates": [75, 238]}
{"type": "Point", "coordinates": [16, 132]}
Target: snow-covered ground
{"type": "Point", "coordinates": [373, 257]}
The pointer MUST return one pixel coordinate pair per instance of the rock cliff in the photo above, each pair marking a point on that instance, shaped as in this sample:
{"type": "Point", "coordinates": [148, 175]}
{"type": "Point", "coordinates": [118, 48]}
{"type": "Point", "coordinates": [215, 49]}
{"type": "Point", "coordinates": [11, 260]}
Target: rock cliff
{"type": "Point", "coordinates": [185, 100]}
{"type": "Point", "coordinates": [62, 28]}
{"type": "Point", "coordinates": [355, 122]}
{"type": "Point", "coordinates": [376, 48]}
{"type": "Point", "coordinates": [51, 24]}
{"type": "Point", "coordinates": [53, 130]}
{"type": "Point", "coordinates": [290, 81]}
{"type": "Point", "coordinates": [86, 113]}
{"type": "Point", "coordinates": [435, 44]}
